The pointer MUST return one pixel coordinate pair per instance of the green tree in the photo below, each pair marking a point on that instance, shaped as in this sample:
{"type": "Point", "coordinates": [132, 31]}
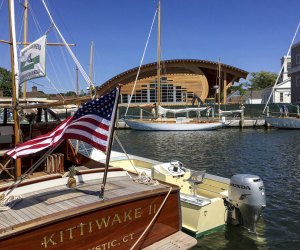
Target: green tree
{"type": "Point", "coordinates": [81, 93]}
{"type": "Point", "coordinates": [5, 82]}
{"type": "Point", "coordinates": [70, 93]}
{"type": "Point", "coordinates": [242, 88]}
{"type": "Point", "coordinates": [262, 79]}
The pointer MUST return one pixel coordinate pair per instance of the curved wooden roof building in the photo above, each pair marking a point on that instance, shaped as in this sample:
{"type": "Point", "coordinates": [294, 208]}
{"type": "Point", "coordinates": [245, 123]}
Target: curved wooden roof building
{"type": "Point", "coordinates": [181, 79]}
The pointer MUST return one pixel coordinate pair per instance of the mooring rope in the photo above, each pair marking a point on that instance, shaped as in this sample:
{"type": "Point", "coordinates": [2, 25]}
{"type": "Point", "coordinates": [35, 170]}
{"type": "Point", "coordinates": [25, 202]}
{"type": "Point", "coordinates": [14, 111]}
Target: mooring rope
{"type": "Point", "coordinates": [141, 63]}
{"type": "Point", "coordinates": [143, 178]}
{"type": "Point", "coordinates": [153, 219]}
{"type": "Point", "coordinates": [7, 202]}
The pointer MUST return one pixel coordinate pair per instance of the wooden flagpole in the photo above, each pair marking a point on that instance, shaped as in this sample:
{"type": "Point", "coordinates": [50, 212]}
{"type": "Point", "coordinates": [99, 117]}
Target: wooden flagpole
{"type": "Point", "coordinates": [158, 58]}
{"type": "Point", "coordinates": [15, 81]}
{"type": "Point", "coordinates": [101, 195]}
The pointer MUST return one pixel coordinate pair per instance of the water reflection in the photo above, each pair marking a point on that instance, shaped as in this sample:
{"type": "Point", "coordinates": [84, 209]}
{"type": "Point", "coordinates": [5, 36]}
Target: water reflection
{"type": "Point", "coordinates": [233, 237]}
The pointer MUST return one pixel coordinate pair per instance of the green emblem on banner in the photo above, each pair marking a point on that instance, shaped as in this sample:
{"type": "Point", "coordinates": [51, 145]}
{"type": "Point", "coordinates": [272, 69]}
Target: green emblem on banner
{"type": "Point", "coordinates": [31, 61]}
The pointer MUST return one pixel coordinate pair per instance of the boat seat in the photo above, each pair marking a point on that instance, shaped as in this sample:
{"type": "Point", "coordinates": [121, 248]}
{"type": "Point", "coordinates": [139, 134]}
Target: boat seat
{"type": "Point", "coordinates": [195, 179]}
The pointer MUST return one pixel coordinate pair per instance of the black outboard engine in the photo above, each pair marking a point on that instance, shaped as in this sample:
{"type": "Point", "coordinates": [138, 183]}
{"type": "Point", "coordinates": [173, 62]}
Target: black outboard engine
{"type": "Point", "coordinates": [246, 200]}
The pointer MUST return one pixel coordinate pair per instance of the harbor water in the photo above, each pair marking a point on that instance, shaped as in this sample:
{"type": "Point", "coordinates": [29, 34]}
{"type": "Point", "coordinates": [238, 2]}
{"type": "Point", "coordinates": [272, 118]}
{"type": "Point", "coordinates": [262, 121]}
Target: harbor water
{"type": "Point", "coordinates": [271, 154]}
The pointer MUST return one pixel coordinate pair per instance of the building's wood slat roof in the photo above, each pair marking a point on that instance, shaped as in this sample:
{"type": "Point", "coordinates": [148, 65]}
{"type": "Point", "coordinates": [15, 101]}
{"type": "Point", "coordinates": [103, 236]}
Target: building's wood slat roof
{"type": "Point", "coordinates": [173, 67]}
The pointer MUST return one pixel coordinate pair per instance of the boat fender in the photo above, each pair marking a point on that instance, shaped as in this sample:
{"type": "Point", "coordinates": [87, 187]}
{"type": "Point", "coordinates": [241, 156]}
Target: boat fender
{"type": "Point", "coordinates": [71, 180]}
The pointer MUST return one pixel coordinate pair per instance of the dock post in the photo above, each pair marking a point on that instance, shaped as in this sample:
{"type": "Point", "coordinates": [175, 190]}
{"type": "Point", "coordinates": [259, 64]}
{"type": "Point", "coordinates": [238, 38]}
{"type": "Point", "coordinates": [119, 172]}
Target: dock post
{"type": "Point", "coordinates": [242, 120]}
{"type": "Point", "coordinates": [141, 114]}
{"type": "Point", "coordinates": [267, 125]}
{"type": "Point", "coordinates": [118, 118]}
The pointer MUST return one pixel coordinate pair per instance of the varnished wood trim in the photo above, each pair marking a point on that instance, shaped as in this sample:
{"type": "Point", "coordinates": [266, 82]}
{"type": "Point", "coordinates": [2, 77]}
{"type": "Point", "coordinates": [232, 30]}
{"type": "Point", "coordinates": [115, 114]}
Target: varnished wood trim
{"type": "Point", "coordinates": [98, 170]}
{"type": "Point", "coordinates": [33, 181]}
{"type": "Point", "coordinates": [77, 212]}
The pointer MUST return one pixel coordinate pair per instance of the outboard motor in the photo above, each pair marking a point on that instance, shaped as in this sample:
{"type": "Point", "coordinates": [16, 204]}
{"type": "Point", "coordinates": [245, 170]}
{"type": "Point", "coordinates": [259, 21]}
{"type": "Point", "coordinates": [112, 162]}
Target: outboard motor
{"type": "Point", "coordinates": [246, 200]}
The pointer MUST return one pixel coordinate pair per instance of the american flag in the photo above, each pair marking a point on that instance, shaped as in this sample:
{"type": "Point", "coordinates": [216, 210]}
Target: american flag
{"type": "Point", "coordinates": [92, 123]}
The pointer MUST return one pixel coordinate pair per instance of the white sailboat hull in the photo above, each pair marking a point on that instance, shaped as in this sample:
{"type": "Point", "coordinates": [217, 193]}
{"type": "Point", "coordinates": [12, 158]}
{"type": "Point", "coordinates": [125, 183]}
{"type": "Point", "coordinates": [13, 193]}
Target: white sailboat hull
{"type": "Point", "coordinates": [172, 126]}
{"type": "Point", "coordinates": [284, 122]}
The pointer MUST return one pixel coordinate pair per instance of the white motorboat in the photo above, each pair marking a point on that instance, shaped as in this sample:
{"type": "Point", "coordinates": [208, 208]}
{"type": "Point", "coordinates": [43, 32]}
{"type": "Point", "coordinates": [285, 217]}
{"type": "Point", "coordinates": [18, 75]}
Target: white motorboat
{"type": "Point", "coordinates": [208, 201]}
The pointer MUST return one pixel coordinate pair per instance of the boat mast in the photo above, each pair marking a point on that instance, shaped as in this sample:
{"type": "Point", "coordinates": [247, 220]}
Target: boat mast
{"type": "Point", "coordinates": [219, 83]}
{"type": "Point", "coordinates": [15, 80]}
{"type": "Point", "coordinates": [158, 55]}
{"type": "Point", "coordinates": [77, 82]}
{"type": "Point", "coordinates": [25, 38]}
{"type": "Point", "coordinates": [77, 95]}
{"type": "Point", "coordinates": [91, 67]}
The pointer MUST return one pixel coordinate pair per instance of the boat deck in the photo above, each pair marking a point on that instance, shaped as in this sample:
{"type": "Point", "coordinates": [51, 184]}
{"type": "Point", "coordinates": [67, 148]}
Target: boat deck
{"type": "Point", "coordinates": [39, 205]}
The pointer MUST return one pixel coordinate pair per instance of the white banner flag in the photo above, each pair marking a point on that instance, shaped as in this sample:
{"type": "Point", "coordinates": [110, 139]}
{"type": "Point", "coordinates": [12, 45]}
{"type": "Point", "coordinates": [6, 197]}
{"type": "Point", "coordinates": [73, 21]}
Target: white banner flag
{"type": "Point", "coordinates": [32, 60]}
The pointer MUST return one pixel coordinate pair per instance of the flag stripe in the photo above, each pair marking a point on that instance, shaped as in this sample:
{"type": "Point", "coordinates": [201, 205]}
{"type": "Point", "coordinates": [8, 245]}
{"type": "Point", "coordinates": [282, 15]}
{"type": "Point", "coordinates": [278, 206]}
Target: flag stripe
{"type": "Point", "coordinates": [40, 142]}
{"type": "Point", "coordinates": [91, 129]}
{"type": "Point", "coordinates": [85, 136]}
{"type": "Point", "coordinates": [78, 128]}
{"type": "Point", "coordinates": [56, 132]}
{"type": "Point", "coordinates": [29, 150]}
{"type": "Point", "coordinates": [94, 120]}
{"type": "Point", "coordinates": [95, 144]}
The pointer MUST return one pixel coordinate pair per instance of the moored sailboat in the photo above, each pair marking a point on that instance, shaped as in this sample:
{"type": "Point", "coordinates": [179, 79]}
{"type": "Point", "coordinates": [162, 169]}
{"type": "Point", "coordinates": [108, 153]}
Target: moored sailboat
{"type": "Point", "coordinates": [163, 123]}
{"type": "Point", "coordinates": [175, 124]}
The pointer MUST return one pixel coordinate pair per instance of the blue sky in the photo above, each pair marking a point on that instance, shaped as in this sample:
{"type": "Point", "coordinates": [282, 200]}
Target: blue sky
{"type": "Point", "coordinates": [249, 34]}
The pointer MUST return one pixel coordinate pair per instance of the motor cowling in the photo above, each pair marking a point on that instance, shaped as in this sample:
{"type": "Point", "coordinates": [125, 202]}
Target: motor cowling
{"type": "Point", "coordinates": [246, 200]}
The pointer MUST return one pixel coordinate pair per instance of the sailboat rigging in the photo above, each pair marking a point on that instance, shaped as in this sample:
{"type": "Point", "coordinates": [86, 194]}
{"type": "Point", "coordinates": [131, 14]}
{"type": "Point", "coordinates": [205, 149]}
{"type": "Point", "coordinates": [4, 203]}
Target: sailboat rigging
{"type": "Point", "coordinates": [283, 121]}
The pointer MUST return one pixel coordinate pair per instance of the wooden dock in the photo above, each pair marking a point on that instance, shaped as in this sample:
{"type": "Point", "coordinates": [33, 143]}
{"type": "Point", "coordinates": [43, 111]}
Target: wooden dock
{"type": "Point", "coordinates": [178, 240]}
